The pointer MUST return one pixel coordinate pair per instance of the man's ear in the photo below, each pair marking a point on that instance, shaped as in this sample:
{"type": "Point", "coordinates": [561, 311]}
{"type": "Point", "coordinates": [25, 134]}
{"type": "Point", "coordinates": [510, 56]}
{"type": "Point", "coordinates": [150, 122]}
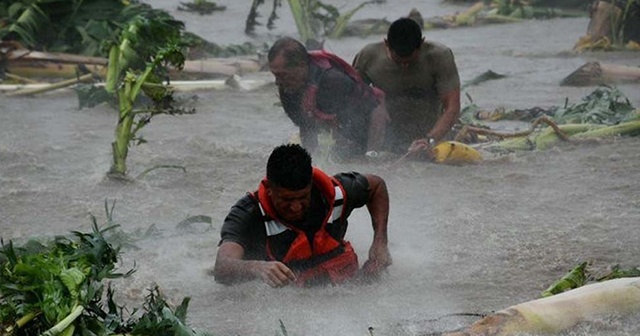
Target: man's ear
{"type": "Point", "coordinates": [268, 186]}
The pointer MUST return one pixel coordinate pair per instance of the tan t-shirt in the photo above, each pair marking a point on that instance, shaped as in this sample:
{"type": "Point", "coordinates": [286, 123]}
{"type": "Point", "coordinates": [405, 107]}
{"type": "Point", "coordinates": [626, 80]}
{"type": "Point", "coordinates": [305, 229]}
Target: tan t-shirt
{"type": "Point", "coordinates": [412, 94]}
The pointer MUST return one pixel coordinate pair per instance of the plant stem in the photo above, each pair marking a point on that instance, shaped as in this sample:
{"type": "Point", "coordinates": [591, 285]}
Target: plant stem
{"type": "Point", "coordinates": [300, 10]}
{"type": "Point", "coordinates": [62, 325]}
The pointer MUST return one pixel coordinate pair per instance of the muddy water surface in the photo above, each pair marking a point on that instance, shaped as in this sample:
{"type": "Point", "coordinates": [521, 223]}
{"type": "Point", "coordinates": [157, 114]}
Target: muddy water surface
{"type": "Point", "coordinates": [469, 239]}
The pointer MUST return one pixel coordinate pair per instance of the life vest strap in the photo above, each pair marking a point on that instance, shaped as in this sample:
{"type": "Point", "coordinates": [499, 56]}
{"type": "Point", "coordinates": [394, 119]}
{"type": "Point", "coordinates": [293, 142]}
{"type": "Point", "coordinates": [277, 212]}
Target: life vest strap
{"type": "Point", "coordinates": [305, 264]}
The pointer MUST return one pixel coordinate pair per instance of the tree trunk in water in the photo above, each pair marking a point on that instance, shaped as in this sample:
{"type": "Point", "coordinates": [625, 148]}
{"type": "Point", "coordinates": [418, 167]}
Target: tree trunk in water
{"type": "Point", "coordinates": [605, 20]}
{"type": "Point", "coordinates": [617, 20]}
{"type": "Point", "coordinates": [595, 73]}
{"type": "Point", "coordinates": [561, 311]}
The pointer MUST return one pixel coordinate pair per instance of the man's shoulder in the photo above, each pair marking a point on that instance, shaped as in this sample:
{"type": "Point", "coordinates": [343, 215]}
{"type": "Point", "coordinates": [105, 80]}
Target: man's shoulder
{"type": "Point", "coordinates": [435, 48]}
{"type": "Point", "coordinates": [245, 208]}
{"type": "Point", "coordinates": [373, 47]}
{"type": "Point", "coordinates": [352, 178]}
{"type": "Point", "coordinates": [372, 50]}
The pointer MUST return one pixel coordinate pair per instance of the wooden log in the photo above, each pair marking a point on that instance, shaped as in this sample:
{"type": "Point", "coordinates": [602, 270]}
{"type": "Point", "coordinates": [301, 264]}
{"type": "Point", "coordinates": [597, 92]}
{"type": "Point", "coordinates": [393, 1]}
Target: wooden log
{"type": "Point", "coordinates": [181, 86]}
{"type": "Point", "coordinates": [37, 64]}
{"type": "Point", "coordinates": [47, 69]}
{"type": "Point", "coordinates": [596, 73]}
{"type": "Point", "coordinates": [50, 87]}
{"type": "Point", "coordinates": [29, 55]}
{"type": "Point", "coordinates": [221, 67]}
{"type": "Point", "coordinates": [562, 311]}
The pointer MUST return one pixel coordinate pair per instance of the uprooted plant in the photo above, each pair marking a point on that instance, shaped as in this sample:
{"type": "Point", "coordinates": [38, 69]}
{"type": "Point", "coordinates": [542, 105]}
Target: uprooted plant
{"type": "Point", "coordinates": [128, 82]}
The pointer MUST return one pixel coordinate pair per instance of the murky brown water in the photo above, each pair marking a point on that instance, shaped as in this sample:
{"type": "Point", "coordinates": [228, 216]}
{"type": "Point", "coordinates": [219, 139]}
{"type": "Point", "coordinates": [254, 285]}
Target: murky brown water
{"type": "Point", "coordinates": [464, 239]}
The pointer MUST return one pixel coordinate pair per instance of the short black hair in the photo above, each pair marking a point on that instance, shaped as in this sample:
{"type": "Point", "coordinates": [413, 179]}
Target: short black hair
{"type": "Point", "coordinates": [294, 52]}
{"type": "Point", "coordinates": [404, 36]}
{"type": "Point", "coordinates": [289, 167]}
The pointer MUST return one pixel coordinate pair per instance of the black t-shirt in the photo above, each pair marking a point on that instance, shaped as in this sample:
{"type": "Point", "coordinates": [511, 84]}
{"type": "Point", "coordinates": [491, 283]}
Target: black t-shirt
{"type": "Point", "coordinates": [244, 223]}
{"type": "Point", "coordinates": [340, 95]}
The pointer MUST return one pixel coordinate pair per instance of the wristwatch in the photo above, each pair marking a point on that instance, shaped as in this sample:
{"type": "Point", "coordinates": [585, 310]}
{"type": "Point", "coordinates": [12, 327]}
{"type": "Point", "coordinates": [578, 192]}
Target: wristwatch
{"type": "Point", "coordinates": [372, 154]}
{"type": "Point", "coordinates": [430, 140]}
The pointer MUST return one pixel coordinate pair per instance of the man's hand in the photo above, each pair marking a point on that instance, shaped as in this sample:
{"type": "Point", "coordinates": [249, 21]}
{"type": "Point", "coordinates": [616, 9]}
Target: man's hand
{"type": "Point", "coordinates": [379, 260]}
{"type": "Point", "coordinates": [275, 273]}
{"type": "Point", "coordinates": [421, 147]}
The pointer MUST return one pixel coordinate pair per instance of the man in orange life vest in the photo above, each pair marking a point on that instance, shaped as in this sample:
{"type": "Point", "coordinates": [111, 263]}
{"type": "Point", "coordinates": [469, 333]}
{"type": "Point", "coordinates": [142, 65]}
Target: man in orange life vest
{"type": "Point", "coordinates": [292, 229]}
{"type": "Point", "coordinates": [319, 90]}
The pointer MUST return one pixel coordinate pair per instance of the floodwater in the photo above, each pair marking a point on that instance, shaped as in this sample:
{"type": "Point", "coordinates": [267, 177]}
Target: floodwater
{"type": "Point", "coordinates": [465, 240]}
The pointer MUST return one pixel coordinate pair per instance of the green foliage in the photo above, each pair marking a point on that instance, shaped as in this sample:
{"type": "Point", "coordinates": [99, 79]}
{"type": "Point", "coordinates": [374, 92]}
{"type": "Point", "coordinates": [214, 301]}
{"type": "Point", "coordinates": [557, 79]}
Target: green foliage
{"type": "Point", "coordinates": [617, 272]}
{"type": "Point", "coordinates": [50, 281]}
{"type": "Point", "coordinates": [159, 319]}
{"type": "Point", "coordinates": [128, 90]}
{"type": "Point", "coordinates": [73, 26]}
{"type": "Point", "coordinates": [574, 279]}
{"type": "Point", "coordinates": [59, 288]}
{"type": "Point", "coordinates": [581, 275]}
{"type": "Point", "coordinates": [605, 105]}
{"type": "Point", "coordinates": [314, 19]}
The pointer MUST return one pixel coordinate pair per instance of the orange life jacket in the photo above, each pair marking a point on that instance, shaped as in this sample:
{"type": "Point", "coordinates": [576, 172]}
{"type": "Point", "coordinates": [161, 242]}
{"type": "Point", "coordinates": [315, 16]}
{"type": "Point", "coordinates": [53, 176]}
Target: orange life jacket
{"type": "Point", "coordinates": [326, 61]}
{"type": "Point", "coordinates": [327, 256]}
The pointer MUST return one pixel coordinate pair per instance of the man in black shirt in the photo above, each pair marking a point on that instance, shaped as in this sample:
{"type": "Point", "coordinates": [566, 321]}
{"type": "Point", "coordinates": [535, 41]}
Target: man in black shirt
{"type": "Point", "coordinates": [319, 90]}
{"type": "Point", "coordinates": [291, 230]}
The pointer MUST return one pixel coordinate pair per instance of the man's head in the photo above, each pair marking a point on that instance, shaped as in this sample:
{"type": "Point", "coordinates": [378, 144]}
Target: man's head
{"type": "Point", "coordinates": [403, 41]}
{"type": "Point", "coordinates": [288, 185]}
{"type": "Point", "coordinates": [289, 63]}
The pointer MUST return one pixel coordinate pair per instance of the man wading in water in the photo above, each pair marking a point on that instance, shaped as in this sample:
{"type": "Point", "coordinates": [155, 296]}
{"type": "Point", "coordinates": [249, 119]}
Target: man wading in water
{"type": "Point", "coordinates": [421, 83]}
{"type": "Point", "coordinates": [291, 230]}
{"type": "Point", "coordinates": [320, 91]}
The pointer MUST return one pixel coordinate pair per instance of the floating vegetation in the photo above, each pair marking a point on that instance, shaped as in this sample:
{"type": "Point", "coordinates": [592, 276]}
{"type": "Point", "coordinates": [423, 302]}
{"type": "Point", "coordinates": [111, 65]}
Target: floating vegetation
{"type": "Point", "coordinates": [202, 7]}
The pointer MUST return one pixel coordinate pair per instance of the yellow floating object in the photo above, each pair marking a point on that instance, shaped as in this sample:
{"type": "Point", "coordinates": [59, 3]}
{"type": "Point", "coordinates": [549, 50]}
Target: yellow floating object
{"type": "Point", "coordinates": [455, 153]}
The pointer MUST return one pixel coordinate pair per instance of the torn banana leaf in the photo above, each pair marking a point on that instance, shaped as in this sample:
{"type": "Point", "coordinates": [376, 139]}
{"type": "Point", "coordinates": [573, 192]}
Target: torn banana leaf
{"type": "Point", "coordinates": [577, 277]}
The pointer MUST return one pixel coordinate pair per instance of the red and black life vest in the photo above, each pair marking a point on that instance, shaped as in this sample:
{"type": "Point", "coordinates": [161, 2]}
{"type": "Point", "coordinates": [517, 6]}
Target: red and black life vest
{"type": "Point", "coordinates": [325, 60]}
{"type": "Point", "coordinates": [327, 256]}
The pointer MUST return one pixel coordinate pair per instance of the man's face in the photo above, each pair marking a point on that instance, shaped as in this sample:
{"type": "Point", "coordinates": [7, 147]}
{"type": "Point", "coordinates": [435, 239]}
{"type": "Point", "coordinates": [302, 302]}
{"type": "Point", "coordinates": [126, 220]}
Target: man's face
{"type": "Point", "coordinates": [290, 205]}
{"type": "Point", "coordinates": [289, 78]}
{"type": "Point", "coordinates": [402, 61]}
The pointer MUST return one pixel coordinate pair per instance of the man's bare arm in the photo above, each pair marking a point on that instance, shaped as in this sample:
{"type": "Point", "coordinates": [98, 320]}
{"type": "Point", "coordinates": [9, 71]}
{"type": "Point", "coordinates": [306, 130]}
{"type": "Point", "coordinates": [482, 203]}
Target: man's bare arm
{"type": "Point", "coordinates": [378, 206]}
{"type": "Point", "coordinates": [231, 268]}
{"type": "Point", "coordinates": [451, 106]}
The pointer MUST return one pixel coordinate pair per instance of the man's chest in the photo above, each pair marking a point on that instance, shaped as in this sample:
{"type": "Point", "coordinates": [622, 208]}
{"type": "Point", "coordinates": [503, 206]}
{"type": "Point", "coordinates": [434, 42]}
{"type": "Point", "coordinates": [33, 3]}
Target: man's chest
{"type": "Point", "coordinates": [395, 80]}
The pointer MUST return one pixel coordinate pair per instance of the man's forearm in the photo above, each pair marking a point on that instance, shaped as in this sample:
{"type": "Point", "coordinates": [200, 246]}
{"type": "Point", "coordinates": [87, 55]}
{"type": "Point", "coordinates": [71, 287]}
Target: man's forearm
{"type": "Point", "coordinates": [233, 270]}
{"type": "Point", "coordinates": [451, 105]}
{"type": "Point", "coordinates": [377, 127]}
{"type": "Point", "coordinates": [378, 207]}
